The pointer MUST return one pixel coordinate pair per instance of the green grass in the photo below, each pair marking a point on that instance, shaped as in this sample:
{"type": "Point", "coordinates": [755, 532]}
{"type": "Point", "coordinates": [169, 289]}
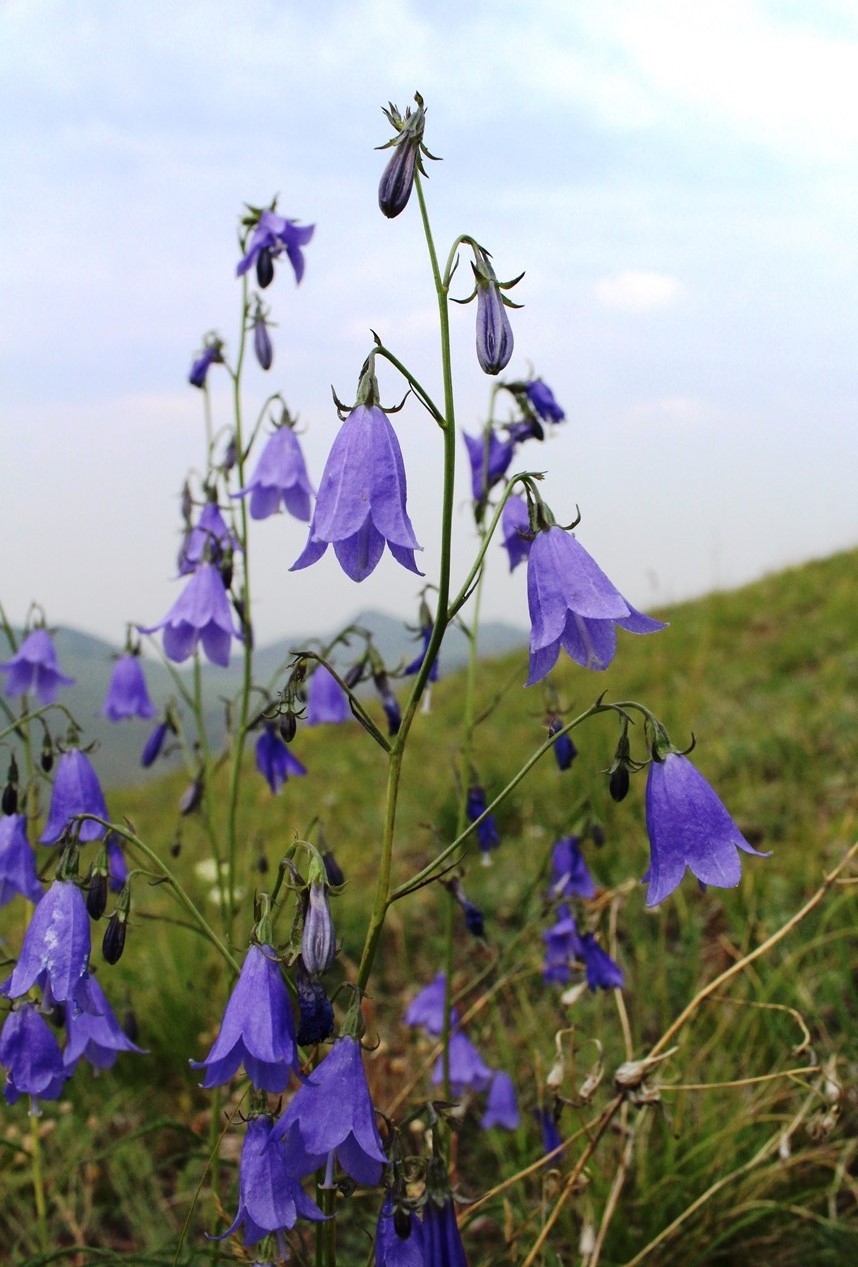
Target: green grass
{"type": "Point", "coordinates": [766, 679]}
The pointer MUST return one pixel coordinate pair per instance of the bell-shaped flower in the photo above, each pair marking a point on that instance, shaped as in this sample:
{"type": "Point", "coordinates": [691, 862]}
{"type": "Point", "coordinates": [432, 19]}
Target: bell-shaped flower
{"type": "Point", "coordinates": [392, 1248]}
{"type": "Point", "coordinates": [274, 761]}
{"type": "Point", "coordinates": [208, 541]}
{"type": "Point", "coordinates": [55, 950]}
{"type": "Point", "coordinates": [327, 702]}
{"type": "Point", "coordinates": [76, 790]}
{"type": "Point", "coordinates": [201, 614]}
{"type": "Point", "coordinates": [127, 694]}
{"type": "Point", "coordinates": [31, 1056]}
{"type": "Point", "coordinates": [542, 401]}
{"type": "Point", "coordinates": [468, 1070]}
{"type": "Point", "coordinates": [501, 1104]}
{"type": "Point", "coordinates": [280, 476]}
{"type": "Point", "coordinates": [95, 1036]}
{"type": "Point", "coordinates": [17, 861]}
{"type": "Point", "coordinates": [441, 1236]}
{"type": "Point", "coordinates": [257, 1028]}
{"type": "Point", "coordinates": [212, 354]}
{"type": "Point", "coordinates": [688, 826]}
{"type": "Point", "coordinates": [515, 530]}
{"type": "Point", "coordinates": [488, 836]}
{"type": "Point", "coordinates": [603, 973]}
{"type": "Point", "coordinates": [562, 947]}
{"type": "Point", "coordinates": [270, 1200]}
{"type": "Point", "coordinates": [272, 235]}
{"type": "Point", "coordinates": [34, 668]}
{"type": "Point", "coordinates": [332, 1114]}
{"type": "Point", "coordinates": [361, 499]}
{"type": "Point", "coordinates": [490, 459]}
{"type": "Point", "coordinates": [573, 605]}
{"type": "Point", "coordinates": [427, 1007]}
{"type": "Point", "coordinates": [570, 876]}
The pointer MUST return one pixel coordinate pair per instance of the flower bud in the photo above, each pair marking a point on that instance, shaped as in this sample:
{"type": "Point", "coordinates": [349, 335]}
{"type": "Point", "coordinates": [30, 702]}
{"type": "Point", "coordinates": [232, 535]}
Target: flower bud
{"type": "Point", "coordinates": [191, 797]}
{"type": "Point", "coordinates": [397, 179]}
{"type": "Point", "coordinates": [113, 942]}
{"type": "Point", "coordinates": [262, 341]}
{"type": "Point", "coordinates": [316, 1015]}
{"type": "Point", "coordinates": [264, 268]}
{"type": "Point", "coordinates": [46, 756]}
{"type": "Point", "coordinates": [333, 870]}
{"type": "Point", "coordinates": [318, 939]}
{"type": "Point", "coordinates": [96, 892]}
{"type": "Point", "coordinates": [288, 726]}
{"type": "Point", "coordinates": [619, 783]}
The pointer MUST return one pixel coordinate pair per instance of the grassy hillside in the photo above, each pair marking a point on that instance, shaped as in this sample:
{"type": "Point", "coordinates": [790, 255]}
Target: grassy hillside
{"type": "Point", "coordinates": [767, 679]}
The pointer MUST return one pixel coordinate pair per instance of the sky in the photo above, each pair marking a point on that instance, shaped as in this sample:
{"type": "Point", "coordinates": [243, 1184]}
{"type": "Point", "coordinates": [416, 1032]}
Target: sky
{"type": "Point", "coordinates": [678, 182]}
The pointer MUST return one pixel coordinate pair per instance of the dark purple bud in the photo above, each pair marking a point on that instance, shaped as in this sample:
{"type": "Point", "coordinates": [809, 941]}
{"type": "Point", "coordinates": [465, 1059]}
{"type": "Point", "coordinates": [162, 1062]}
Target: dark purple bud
{"type": "Point", "coordinates": [10, 799]}
{"type": "Point", "coordinates": [96, 893]}
{"type": "Point", "coordinates": [474, 921]}
{"type": "Point", "coordinates": [175, 848]}
{"type": "Point", "coordinates": [565, 751]}
{"type": "Point", "coordinates": [402, 1222]}
{"type": "Point", "coordinates": [619, 782]}
{"type": "Point", "coordinates": [316, 1015]}
{"type": "Point", "coordinates": [264, 268]}
{"type": "Point", "coordinates": [494, 332]}
{"type": "Point", "coordinates": [288, 726]}
{"type": "Point", "coordinates": [333, 870]}
{"type": "Point", "coordinates": [225, 569]}
{"type": "Point", "coordinates": [354, 675]}
{"type": "Point", "coordinates": [46, 757]}
{"type": "Point", "coordinates": [191, 797]}
{"type": "Point", "coordinates": [318, 939]}
{"type": "Point", "coordinates": [397, 179]}
{"type": "Point", "coordinates": [230, 456]}
{"type": "Point", "coordinates": [154, 744]}
{"type": "Point", "coordinates": [262, 342]}
{"type": "Point", "coordinates": [113, 943]}
{"type": "Point", "coordinates": [597, 834]}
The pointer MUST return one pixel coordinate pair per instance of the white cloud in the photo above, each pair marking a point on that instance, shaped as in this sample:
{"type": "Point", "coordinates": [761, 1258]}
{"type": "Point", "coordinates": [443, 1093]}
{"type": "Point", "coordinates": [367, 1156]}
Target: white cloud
{"type": "Point", "coordinates": [635, 290]}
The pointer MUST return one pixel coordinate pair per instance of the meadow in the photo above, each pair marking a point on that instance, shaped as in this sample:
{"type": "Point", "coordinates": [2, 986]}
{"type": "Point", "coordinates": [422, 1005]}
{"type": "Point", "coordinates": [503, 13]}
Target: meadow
{"type": "Point", "coordinates": [740, 1146]}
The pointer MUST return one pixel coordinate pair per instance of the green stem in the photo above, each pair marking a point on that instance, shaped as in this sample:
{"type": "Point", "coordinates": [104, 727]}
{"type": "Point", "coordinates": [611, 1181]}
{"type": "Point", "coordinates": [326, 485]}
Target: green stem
{"type": "Point", "coordinates": [38, 1184]}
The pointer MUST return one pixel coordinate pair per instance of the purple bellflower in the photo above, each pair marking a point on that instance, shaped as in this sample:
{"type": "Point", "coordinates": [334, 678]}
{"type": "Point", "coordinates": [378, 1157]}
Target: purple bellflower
{"type": "Point", "coordinates": [427, 1007]}
{"type": "Point", "coordinates": [17, 861]}
{"type": "Point", "coordinates": [272, 235]}
{"type": "Point", "coordinates": [96, 1037]}
{"type": "Point", "coordinates": [76, 790]}
{"type": "Point", "coordinates": [688, 826]}
{"type": "Point", "coordinates": [208, 541]}
{"type": "Point", "coordinates": [501, 1104]}
{"type": "Point", "coordinates": [488, 836]}
{"type": "Point", "coordinates": [31, 1056]}
{"type": "Point", "coordinates": [515, 521]}
{"type": "Point", "coordinates": [562, 947]}
{"type": "Point", "coordinates": [361, 500]}
{"type": "Point", "coordinates": [34, 668]}
{"type": "Point", "coordinates": [127, 695]}
{"type": "Point", "coordinates": [490, 458]}
{"type": "Point", "coordinates": [257, 1028]}
{"type": "Point", "coordinates": [569, 874]}
{"type": "Point", "coordinates": [274, 760]}
{"type": "Point", "coordinates": [280, 476]}
{"type": "Point", "coordinates": [442, 1238]}
{"type": "Point", "coordinates": [603, 973]}
{"type": "Point", "coordinates": [201, 614]}
{"type": "Point", "coordinates": [468, 1070]}
{"type": "Point", "coordinates": [270, 1200]}
{"type": "Point", "coordinates": [542, 401]}
{"type": "Point", "coordinates": [55, 951]}
{"type": "Point", "coordinates": [565, 751]}
{"type": "Point", "coordinates": [574, 605]}
{"type": "Point", "coordinates": [327, 702]}
{"type": "Point", "coordinates": [212, 354]}
{"type": "Point", "coordinates": [393, 1250]}
{"type": "Point", "coordinates": [551, 1137]}
{"type": "Point", "coordinates": [331, 1114]}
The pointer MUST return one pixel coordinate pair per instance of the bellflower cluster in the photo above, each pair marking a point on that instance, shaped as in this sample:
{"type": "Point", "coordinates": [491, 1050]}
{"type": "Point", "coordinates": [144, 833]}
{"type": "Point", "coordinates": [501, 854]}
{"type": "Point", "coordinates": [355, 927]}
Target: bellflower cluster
{"type": "Point", "coordinates": [127, 694]}
{"type": "Point", "coordinates": [34, 668]}
{"type": "Point", "coordinates": [201, 614]}
{"type": "Point", "coordinates": [274, 761]}
{"type": "Point", "coordinates": [257, 1028]}
{"type": "Point", "coordinates": [17, 861]}
{"type": "Point", "coordinates": [688, 826]}
{"type": "Point", "coordinates": [327, 702]}
{"type": "Point", "coordinates": [55, 951]}
{"type": "Point", "coordinates": [574, 605]}
{"type": "Point", "coordinates": [280, 476]}
{"type": "Point", "coordinates": [76, 791]}
{"type": "Point", "coordinates": [361, 500]}
{"type": "Point", "coordinates": [272, 235]}
{"type": "Point", "coordinates": [332, 1114]}
{"type": "Point", "coordinates": [31, 1056]}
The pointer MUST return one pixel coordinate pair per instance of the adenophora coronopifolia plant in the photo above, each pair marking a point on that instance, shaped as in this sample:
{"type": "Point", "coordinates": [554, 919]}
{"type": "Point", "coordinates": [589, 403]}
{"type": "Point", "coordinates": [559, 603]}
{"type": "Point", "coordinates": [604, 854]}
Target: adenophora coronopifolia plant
{"type": "Point", "coordinates": [289, 1063]}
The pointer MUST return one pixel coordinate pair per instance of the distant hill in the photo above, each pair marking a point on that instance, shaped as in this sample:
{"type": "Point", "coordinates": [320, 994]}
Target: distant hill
{"type": "Point", "coordinates": [90, 660]}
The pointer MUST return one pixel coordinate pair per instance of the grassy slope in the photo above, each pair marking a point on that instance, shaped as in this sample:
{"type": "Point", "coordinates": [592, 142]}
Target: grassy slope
{"type": "Point", "coordinates": [766, 678]}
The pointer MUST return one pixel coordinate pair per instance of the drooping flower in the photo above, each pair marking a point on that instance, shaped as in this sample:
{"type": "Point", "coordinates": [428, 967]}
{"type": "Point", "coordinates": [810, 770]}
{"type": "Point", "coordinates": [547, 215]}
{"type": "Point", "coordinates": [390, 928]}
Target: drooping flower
{"type": "Point", "coordinates": [565, 751]}
{"type": "Point", "coordinates": [574, 605]}
{"type": "Point", "coordinates": [55, 951]}
{"type": "Point", "coordinates": [270, 1200]}
{"type": "Point", "coordinates": [603, 973]}
{"type": "Point", "coordinates": [257, 1028]}
{"type": "Point", "coordinates": [427, 1007]}
{"type": "Point", "coordinates": [208, 541]}
{"type": "Point", "coordinates": [562, 947]}
{"type": "Point", "coordinates": [280, 476]}
{"type": "Point", "coordinates": [31, 1056]}
{"type": "Point", "coordinates": [442, 1238]}
{"type": "Point", "coordinates": [34, 668]}
{"type": "Point", "coordinates": [332, 1113]}
{"type": "Point", "coordinates": [542, 400]}
{"type": "Point", "coordinates": [212, 354]}
{"type": "Point", "coordinates": [272, 235]}
{"type": "Point", "coordinates": [327, 702]}
{"type": "Point", "coordinates": [361, 499]}
{"type": "Point", "coordinates": [501, 1104]}
{"type": "Point", "coordinates": [468, 1070]}
{"type": "Point", "coordinates": [17, 861]}
{"type": "Point", "coordinates": [488, 836]}
{"type": "Point", "coordinates": [76, 790]}
{"type": "Point", "coordinates": [688, 826]}
{"type": "Point", "coordinates": [201, 614]}
{"type": "Point", "coordinates": [127, 694]}
{"type": "Point", "coordinates": [570, 876]}
{"type": "Point", "coordinates": [152, 748]}
{"type": "Point", "coordinates": [274, 761]}
{"type": "Point", "coordinates": [515, 527]}
{"type": "Point", "coordinates": [97, 1037]}
{"type": "Point", "coordinates": [393, 1249]}
{"type": "Point", "coordinates": [490, 458]}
